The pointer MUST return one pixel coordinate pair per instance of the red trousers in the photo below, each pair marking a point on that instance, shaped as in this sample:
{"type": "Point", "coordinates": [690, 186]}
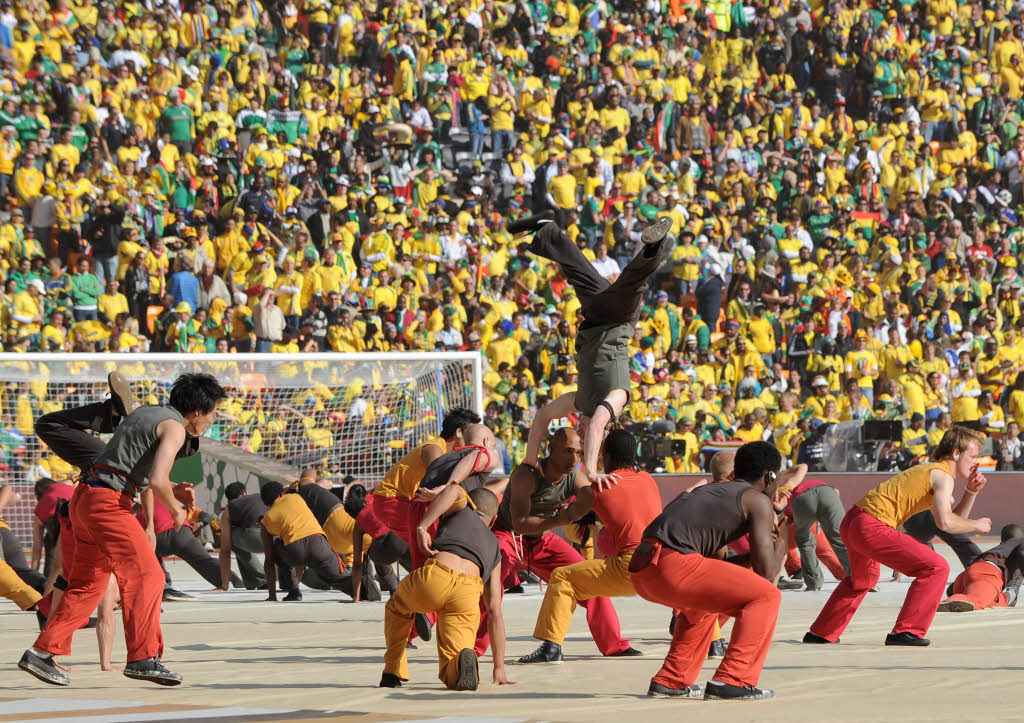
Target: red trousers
{"type": "Point", "coordinates": [414, 512]}
{"type": "Point", "coordinates": [393, 512]}
{"type": "Point", "coordinates": [870, 542]}
{"type": "Point", "coordinates": [702, 589]}
{"type": "Point", "coordinates": [542, 555]}
{"type": "Point", "coordinates": [982, 584]}
{"type": "Point", "coordinates": [823, 551]}
{"type": "Point", "coordinates": [108, 539]}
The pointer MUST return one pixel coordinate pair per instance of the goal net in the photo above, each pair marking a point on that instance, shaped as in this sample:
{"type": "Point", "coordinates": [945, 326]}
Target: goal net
{"type": "Point", "coordinates": [343, 414]}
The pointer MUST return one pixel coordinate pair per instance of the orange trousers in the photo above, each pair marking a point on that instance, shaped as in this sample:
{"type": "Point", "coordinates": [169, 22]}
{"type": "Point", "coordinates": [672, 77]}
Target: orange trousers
{"type": "Point", "coordinates": [982, 584]}
{"type": "Point", "coordinates": [108, 539]}
{"type": "Point", "coordinates": [703, 588]}
{"type": "Point", "coordinates": [823, 551]}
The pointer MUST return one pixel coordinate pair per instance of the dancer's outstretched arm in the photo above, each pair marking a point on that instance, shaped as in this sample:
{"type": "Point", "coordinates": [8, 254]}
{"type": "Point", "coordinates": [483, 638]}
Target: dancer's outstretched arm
{"type": "Point", "coordinates": [561, 407]}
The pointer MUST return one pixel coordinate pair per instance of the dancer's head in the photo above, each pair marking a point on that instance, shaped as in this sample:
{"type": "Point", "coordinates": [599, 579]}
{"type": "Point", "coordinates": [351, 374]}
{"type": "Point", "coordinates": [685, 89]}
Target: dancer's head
{"type": "Point", "coordinates": [759, 464]}
{"type": "Point", "coordinates": [959, 447]}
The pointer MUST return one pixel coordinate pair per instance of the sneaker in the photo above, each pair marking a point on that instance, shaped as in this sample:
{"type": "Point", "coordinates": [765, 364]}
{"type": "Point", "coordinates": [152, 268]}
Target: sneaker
{"type": "Point", "coordinates": [515, 590]}
{"type": "Point", "coordinates": [657, 690]}
{"type": "Point", "coordinates": [1013, 589]}
{"type": "Point", "coordinates": [813, 588]}
{"type": "Point", "coordinates": [172, 595]}
{"type": "Point", "coordinates": [389, 680]}
{"type": "Point", "coordinates": [717, 649]}
{"type": "Point", "coordinates": [120, 394]}
{"type": "Point", "coordinates": [43, 668]}
{"type": "Point", "coordinates": [423, 627]}
{"type": "Point", "coordinates": [785, 583]}
{"type": "Point", "coordinates": [469, 673]}
{"type": "Point", "coordinates": [672, 625]}
{"type": "Point", "coordinates": [293, 596]}
{"type": "Point", "coordinates": [654, 233]}
{"type": "Point", "coordinates": [716, 690]}
{"type": "Point", "coordinates": [528, 578]}
{"type": "Point", "coordinates": [548, 652]}
{"type": "Point", "coordinates": [627, 653]}
{"type": "Point", "coordinates": [370, 591]}
{"type": "Point", "coordinates": [798, 574]}
{"type": "Point", "coordinates": [529, 224]}
{"type": "Point", "coordinates": [410, 646]}
{"type": "Point", "coordinates": [956, 606]}
{"type": "Point", "coordinates": [812, 639]}
{"type": "Point", "coordinates": [151, 669]}
{"type": "Point", "coordinates": [906, 639]}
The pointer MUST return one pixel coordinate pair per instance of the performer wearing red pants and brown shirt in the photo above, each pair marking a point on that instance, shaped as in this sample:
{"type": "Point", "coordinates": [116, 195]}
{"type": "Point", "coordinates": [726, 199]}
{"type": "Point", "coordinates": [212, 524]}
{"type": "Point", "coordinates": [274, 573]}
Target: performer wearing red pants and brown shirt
{"type": "Point", "coordinates": [870, 531]}
{"type": "Point", "coordinates": [108, 538]}
{"type": "Point", "coordinates": [680, 564]}
{"type": "Point", "coordinates": [993, 580]}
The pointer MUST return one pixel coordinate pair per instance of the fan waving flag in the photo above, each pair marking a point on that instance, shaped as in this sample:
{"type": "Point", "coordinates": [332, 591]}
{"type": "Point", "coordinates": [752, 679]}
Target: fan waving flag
{"type": "Point", "coordinates": [662, 125]}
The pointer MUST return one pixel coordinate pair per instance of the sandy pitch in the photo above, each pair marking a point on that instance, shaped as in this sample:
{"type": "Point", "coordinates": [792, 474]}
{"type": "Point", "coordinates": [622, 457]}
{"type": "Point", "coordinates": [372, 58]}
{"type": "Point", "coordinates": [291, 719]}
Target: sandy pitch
{"type": "Point", "coordinates": [234, 649]}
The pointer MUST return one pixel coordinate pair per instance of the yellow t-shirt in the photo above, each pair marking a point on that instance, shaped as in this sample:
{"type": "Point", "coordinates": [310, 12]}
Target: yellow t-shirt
{"type": "Point", "coordinates": [404, 478]}
{"type": "Point", "coordinates": [338, 528]}
{"type": "Point", "coordinates": [291, 519]}
{"type": "Point", "coordinates": [903, 496]}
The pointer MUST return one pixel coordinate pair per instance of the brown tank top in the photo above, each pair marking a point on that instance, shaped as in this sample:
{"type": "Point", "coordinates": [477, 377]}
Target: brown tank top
{"type": "Point", "coordinates": [703, 521]}
{"type": "Point", "coordinates": [464, 534]}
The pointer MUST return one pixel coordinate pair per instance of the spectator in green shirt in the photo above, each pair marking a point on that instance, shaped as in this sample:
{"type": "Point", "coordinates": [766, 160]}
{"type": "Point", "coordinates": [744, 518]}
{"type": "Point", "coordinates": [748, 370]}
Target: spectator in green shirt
{"type": "Point", "coordinates": [85, 292]}
{"type": "Point", "coordinates": [177, 120]}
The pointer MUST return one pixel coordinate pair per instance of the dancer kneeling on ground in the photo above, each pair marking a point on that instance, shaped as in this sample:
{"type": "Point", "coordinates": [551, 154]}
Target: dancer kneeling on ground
{"type": "Point", "coordinates": [991, 581]}
{"type": "Point", "coordinates": [680, 564]}
{"type": "Point", "coordinates": [464, 566]}
{"type": "Point", "coordinates": [870, 530]}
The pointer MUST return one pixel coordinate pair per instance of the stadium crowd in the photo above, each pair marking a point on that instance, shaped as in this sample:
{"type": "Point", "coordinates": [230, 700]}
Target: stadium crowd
{"type": "Point", "coordinates": [291, 176]}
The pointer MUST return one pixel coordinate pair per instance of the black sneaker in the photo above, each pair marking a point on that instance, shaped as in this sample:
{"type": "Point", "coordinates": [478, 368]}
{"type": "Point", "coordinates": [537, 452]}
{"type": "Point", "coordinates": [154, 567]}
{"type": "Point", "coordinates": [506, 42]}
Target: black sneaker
{"type": "Point", "coordinates": [654, 233]}
{"type": "Point", "coordinates": [370, 591]}
{"type": "Point", "coordinates": [716, 690]}
{"type": "Point", "coordinates": [120, 394]}
{"type": "Point", "coordinates": [410, 646]}
{"type": "Point", "coordinates": [389, 680]}
{"type": "Point", "coordinates": [906, 639]}
{"type": "Point", "coordinates": [293, 596]}
{"type": "Point", "coordinates": [528, 578]}
{"type": "Point", "coordinates": [717, 649]}
{"type": "Point", "coordinates": [657, 690]}
{"type": "Point", "coordinates": [812, 639]}
{"type": "Point", "coordinates": [627, 653]}
{"type": "Point", "coordinates": [43, 668]}
{"type": "Point", "coordinates": [1013, 590]}
{"type": "Point", "coordinates": [423, 627]}
{"type": "Point", "coordinates": [529, 224]}
{"type": "Point", "coordinates": [469, 673]}
{"type": "Point", "coordinates": [955, 606]}
{"type": "Point", "coordinates": [153, 670]}
{"type": "Point", "coordinates": [172, 595]}
{"type": "Point", "coordinates": [672, 625]}
{"type": "Point", "coordinates": [785, 583]}
{"type": "Point", "coordinates": [515, 590]}
{"type": "Point", "coordinates": [548, 652]}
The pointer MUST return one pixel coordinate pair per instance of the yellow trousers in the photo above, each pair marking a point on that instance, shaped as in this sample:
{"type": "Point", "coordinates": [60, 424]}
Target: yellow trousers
{"type": "Point", "coordinates": [434, 588]}
{"type": "Point", "coordinates": [572, 534]}
{"type": "Point", "coordinates": [338, 529]}
{"type": "Point", "coordinates": [15, 589]}
{"type": "Point", "coordinates": [573, 583]}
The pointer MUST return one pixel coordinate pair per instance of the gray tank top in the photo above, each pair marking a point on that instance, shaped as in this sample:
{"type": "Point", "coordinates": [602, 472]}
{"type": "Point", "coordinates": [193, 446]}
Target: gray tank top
{"type": "Point", "coordinates": [246, 511]}
{"type": "Point", "coordinates": [703, 521]}
{"type": "Point", "coordinates": [126, 462]}
{"type": "Point", "coordinates": [464, 534]}
{"type": "Point", "coordinates": [440, 470]}
{"type": "Point", "coordinates": [545, 499]}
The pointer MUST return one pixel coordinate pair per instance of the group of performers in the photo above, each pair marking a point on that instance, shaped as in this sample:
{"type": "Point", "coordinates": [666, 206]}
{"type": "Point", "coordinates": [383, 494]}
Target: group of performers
{"type": "Point", "coordinates": [714, 552]}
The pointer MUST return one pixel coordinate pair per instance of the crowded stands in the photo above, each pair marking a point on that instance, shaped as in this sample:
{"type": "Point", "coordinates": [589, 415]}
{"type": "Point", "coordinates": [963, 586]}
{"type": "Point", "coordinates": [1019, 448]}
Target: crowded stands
{"type": "Point", "coordinates": [291, 177]}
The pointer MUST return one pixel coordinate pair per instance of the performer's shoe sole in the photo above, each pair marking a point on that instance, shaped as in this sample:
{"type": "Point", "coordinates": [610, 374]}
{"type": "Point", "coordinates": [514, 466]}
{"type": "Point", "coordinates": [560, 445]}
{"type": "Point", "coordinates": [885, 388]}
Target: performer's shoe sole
{"type": "Point", "coordinates": [656, 231]}
{"type": "Point", "coordinates": [423, 628]}
{"type": "Point", "coordinates": [121, 393]}
{"type": "Point", "coordinates": [956, 606]}
{"type": "Point", "coordinates": [469, 673]}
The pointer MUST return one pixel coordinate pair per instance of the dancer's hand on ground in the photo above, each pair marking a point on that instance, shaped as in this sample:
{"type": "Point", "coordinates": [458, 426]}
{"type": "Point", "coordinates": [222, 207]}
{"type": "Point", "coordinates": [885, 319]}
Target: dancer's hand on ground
{"type": "Point", "coordinates": [602, 482]}
{"type": "Point", "coordinates": [219, 589]}
{"type": "Point", "coordinates": [500, 677]}
{"type": "Point", "coordinates": [423, 542]}
{"type": "Point", "coordinates": [271, 598]}
{"type": "Point", "coordinates": [976, 481]}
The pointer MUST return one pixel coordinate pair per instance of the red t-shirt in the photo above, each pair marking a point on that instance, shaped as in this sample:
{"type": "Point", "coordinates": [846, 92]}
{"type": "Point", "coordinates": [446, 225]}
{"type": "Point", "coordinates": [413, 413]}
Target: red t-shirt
{"type": "Point", "coordinates": [626, 509]}
{"type": "Point", "coordinates": [46, 507]}
{"type": "Point", "coordinates": [162, 521]}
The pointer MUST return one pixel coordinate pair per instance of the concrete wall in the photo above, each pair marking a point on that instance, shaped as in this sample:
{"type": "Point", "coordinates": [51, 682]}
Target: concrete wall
{"type": "Point", "coordinates": [1002, 499]}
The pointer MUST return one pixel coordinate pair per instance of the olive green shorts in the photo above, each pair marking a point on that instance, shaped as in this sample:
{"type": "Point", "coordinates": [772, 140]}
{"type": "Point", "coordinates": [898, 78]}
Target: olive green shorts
{"type": "Point", "coordinates": [602, 358]}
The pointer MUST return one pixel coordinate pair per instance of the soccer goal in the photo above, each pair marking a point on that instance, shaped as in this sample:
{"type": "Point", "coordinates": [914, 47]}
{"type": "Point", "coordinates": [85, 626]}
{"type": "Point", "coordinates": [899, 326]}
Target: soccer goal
{"type": "Point", "coordinates": [344, 414]}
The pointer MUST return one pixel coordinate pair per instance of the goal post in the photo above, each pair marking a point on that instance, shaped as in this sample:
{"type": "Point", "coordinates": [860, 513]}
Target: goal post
{"type": "Point", "coordinates": [346, 414]}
